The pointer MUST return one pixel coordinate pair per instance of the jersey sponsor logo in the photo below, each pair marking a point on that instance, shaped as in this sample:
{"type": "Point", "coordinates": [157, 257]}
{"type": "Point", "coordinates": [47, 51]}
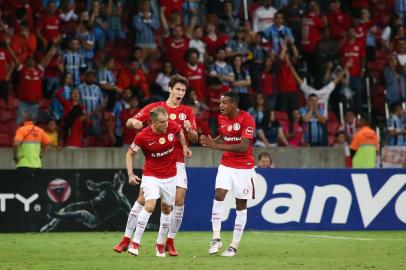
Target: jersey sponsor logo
{"type": "Point", "coordinates": [236, 126]}
{"type": "Point", "coordinates": [172, 116]}
{"type": "Point", "coordinates": [162, 140]}
{"type": "Point", "coordinates": [157, 155]}
{"type": "Point", "coordinates": [182, 116]}
{"type": "Point", "coordinates": [232, 139]}
{"type": "Point", "coordinates": [170, 137]}
{"type": "Point", "coordinates": [249, 131]}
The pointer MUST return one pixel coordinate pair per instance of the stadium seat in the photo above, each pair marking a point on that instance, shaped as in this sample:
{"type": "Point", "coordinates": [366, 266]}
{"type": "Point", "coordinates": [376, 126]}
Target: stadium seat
{"type": "Point", "coordinates": [7, 115]}
{"type": "Point", "coordinates": [281, 116]}
{"type": "Point", "coordinates": [332, 117]}
{"type": "Point", "coordinates": [332, 127]}
{"type": "Point", "coordinates": [5, 140]}
{"type": "Point", "coordinates": [4, 128]}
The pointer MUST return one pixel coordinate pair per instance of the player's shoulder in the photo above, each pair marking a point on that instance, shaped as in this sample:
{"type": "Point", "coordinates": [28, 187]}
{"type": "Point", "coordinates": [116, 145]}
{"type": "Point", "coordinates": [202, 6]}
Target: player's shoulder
{"type": "Point", "coordinates": [246, 116]}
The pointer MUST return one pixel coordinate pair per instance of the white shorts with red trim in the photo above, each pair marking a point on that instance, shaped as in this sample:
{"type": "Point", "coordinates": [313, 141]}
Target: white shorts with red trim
{"type": "Point", "coordinates": [181, 177]}
{"type": "Point", "coordinates": [240, 181]}
{"type": "Point", "coordinates": [155, 188]}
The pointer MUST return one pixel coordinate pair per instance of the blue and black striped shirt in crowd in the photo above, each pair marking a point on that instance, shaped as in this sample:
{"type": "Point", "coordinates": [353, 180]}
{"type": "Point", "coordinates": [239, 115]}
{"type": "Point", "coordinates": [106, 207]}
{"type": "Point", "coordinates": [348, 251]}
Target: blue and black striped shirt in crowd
{"type": "Point", "coordinates": [73, 62]}
{"type": "Point", "coordinates": [91, 96]}
{"type": "Point", "coordinates": [396, 123]}
{"type": "Point", "coordinates": [315, 131]}
{"type": "Point", "coordinates": [106, 76]}
{"type": "Point", "coordinates": [145, 29]}
{"type": "Point", "coordinates": [221, 68]}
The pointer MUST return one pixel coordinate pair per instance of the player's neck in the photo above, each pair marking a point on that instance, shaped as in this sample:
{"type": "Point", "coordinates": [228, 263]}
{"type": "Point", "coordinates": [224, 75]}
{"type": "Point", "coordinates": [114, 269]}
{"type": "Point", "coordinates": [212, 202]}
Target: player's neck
{"type": "Point", "coordinates": [171, 104]}
{"type": "Point", "coordinates": [155, 130]}
{"type": "Point", "coordinates": [234, 114]}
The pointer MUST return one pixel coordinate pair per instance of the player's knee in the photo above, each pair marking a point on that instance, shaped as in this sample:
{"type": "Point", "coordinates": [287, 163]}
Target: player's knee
{"type": "Point", "coordinates": [179, 201]}
{"type": "Point", "coordinates": [241, 204]}
{"type": "Point", "coordinates": [150, 206]}
{"type": "Point", "coordinates": [220, 194]}
{"type": "Point", "coordinates": [166, 209]}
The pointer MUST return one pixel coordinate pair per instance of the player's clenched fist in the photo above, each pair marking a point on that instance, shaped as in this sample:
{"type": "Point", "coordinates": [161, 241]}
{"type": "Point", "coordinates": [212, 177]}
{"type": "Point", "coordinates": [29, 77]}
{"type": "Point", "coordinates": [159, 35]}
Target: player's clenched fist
{"type": "Point", "coordinates": [187, 152]}
{"type": "Point", "coordinates": [187, 125]}
{"type": "Point", "coordinates": [207, 141]}
{"type": "Point", "coordinates": [133, 179]}
{"type": "Point", "coordinates": [134, 123]}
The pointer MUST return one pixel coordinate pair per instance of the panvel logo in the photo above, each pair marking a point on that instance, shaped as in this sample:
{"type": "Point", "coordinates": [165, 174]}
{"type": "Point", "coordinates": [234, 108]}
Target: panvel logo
{"type": "Point", "coordinates": [370, 205]}
{"type": "Point", "coordinates": [26, 202]}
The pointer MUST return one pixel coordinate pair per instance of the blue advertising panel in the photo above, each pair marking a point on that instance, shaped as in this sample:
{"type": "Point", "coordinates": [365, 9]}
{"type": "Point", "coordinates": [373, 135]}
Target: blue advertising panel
{"type": "Point", "coordinates": [306, 199]}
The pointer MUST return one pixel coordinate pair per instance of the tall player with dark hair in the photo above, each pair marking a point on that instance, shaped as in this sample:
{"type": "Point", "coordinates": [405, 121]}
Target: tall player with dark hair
{"type": "Point", "coordinates": [236, 171]}
{"type": "Point", "coordinates": [184, 116]}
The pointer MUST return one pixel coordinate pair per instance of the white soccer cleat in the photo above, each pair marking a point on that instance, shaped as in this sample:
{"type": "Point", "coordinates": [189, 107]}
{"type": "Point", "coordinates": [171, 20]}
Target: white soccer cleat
{"type": "Point", "coordinates": [215, 246]}
{"type": "Point", "coordinates": [230, 252]}
{"type": "Point", "coordinates": [133, 248]}
{"type": "Point", "coordinates": [160, 250]}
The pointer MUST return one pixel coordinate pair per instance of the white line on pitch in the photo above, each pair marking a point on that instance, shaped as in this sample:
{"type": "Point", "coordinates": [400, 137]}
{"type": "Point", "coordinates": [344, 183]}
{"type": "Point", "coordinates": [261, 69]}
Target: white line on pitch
{"type": "Point", "coordinates": [329, 236]}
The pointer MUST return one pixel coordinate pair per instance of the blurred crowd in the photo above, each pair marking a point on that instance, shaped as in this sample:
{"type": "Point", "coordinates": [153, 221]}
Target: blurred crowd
{"type": "Point", "coordinates": [305, 70]}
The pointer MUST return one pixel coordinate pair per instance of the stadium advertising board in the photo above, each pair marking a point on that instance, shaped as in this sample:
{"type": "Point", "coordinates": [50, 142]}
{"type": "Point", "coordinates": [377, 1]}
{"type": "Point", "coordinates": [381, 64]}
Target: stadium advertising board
{"type": "Point", "coordinates": [66, 200]}
{"type": "Point", "coordinates": [307, 199]}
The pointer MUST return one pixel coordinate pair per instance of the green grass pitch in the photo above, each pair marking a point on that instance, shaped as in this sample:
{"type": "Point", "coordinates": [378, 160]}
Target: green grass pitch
{"type": "Point", "coordinates": [258, 250]}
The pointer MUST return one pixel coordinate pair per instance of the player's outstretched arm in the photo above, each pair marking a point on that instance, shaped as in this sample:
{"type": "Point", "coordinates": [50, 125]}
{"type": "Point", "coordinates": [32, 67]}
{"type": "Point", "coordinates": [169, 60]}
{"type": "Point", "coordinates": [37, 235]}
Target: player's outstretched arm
{"type": "Point", "coordinates": [132, 178]}
{"type": "Point", "coordinates": [181, 138]}
{"type": "Point", "coordinates": [133, 123]}
{"type": "Point", "coordinates": [242, 147]}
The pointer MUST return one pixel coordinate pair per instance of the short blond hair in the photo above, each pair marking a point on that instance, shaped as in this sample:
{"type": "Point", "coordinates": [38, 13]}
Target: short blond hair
{"type": "Point", "coordinates": [155, 112]}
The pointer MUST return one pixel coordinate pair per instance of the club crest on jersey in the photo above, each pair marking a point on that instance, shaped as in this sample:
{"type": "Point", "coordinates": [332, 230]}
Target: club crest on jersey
{"type": "Point", "coordinates": [162, 140]}
{"type": "Point", "coordinates": [249, 130]}
{"type": "Point", "coordinates": [172, 116]}
{"type": "Point", "coordinates": [170, 137]}
{"type": "Point", "coordinates": [229, 128]}
{"type": "Point", "coordinates": [138, 114]}
{"type": "Point", "coordinates": [236, 126]}
{"type": "Point", "coordinates": [182, 116]}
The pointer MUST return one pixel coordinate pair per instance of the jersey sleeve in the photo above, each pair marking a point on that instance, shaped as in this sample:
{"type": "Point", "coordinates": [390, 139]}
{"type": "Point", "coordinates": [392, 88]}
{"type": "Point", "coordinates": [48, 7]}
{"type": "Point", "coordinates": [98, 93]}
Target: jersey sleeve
{"type": "Point", "coordinates": [248, 128]}
{"type": "Point", "coordinates": [137, 143]}
{"type": "Point", "coordinates": [143, 115]}
{"type": "Point", "coordinates": [192, 119]}
{"type": "Point", "coordinates": [174, 127]}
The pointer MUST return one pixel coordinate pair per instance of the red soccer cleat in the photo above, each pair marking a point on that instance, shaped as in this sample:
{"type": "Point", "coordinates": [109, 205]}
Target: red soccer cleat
{"type": "Point", "coordinates": [134, 248]}
{"type": "Point", "coordinates": [123, 245]}
{"type": "Point", "coordinates": [170, 247]}
{"type": "Point", "coordinates": [160, 250]}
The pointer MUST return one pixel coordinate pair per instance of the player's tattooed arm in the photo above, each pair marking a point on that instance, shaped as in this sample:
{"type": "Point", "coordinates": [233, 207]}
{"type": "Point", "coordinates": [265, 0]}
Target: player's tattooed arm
{"type": "Point", "coordinates": [242, 147]}
{"type": "Point", "coordinates": [191, 133]}
{"type": "Point", "coordinates": [181, 138]}
{"type": "Point", "coordinates": [219, 139]}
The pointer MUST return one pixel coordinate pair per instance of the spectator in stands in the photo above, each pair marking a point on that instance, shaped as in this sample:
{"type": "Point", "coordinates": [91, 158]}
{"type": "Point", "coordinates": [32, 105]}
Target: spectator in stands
{"type": "Point", "coordinates": [52, 132]}
{"type": "Point", "coordinates": [122, 104]}
{"type": "Point", "coordinates": [312, 24]}
{"type": "Point", "coordinates": [353, 55]}
{"type": "Point", "coordinates": [327, 52]}
{"type": "Point", "coordinates": [293, 14]}
{"type": "Point", "coordinates": [107, 82]}
{"type": "Point", "coordinates": [73, 61]}
{"type": "Point", "coordinates": [213, 40]}
{"type": "Point", "coordinates": [364, 146]}
{"type": "Point", "coordinates": [258, 109]}
{"type": "Point", "coordinates": [264, 161]}
{"type": "Point", "coordinates": [258, 53]}
{"type": "Point", "coordinates": [114, 25]}
{"type": "Point", "coordinates": [401, 51]}
{"type": "Point", "coordinates": [242, 83]}
{"type": "Point", "coordinates": [87, 40]}
{"type": "Point", "coordinates": [30, 84]}
{"type": "Point", "coordinates": [197, 42]}
{"type": "Point", "coordinates": [146, 23]}
{"type": "Point", "coordinates": [287, 89]}
{"type": "Point", "coordinates": [396, 127]}
{"type": "Point", "coordinates": [98, 21]}
{"type": "Point", "coordinates": [68, 18]}
{"type": "Point", "coordinates": [293, 130]}
{"type": "Point", "coordinates": [215, 88]}
{"type": "Point", "coordinates": [395, 80]}
{"type": "Point", "coordinates": [23, 43]}
{"type": "Point", "coordinates": [194, 72]}
{"type": "Point", "coordinates": [263, 16]}
{"type": "Point", "coordinates": [400, 9]}
{"type": "Point", "coordinates": [278, 34]}
{"type": "Point", "coordinates": [66, 88]}
{"type": "Point", "coordinates": [74, 114]}
{"type": "Point", "coordinates": [202, 124]}
{"type": "Point", "coordinates": [140, 56]}
{"type": "Point", "coordinates": [221, 69]}
{"type": "Point", "coordinates": [349, 127]}
{"type": "Point", "coordinates": [190, 9]}
{"type": "Point", "coordinates": [267, 83]}
{"type": "Point", "coordinates": [6, 68]}
{"type": "Point", "coordinates": [315, 121]}
{"type": "Point", "coordinates": [228, 20]}
{"type": "Point", "coordinates": [341, 140]}
{"type": "Point", "coordinates": [270, 133]}
{"type": "Point", "coordinates": [238, 45]}
{"type": "Point", "coordinates": [164, 76]}
{"type": "Point", "coordinates": [48, 26]}
{"type": "Point", "coordinates": [134, 78]}
{"type": "Point", "coordinates": [125, 114]}
{"type": "Point", "coordinates": [338, 21]}
{"type": "Point", "coordinates": [30, 144]}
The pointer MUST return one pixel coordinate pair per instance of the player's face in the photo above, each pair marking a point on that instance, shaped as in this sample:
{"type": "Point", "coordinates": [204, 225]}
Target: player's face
{"type": "Point", "coordinates": [161, 123]}
{"type": "Point", "coordinates": [177, 92]}
{"type": "Point", "coordinates": [226, 106]}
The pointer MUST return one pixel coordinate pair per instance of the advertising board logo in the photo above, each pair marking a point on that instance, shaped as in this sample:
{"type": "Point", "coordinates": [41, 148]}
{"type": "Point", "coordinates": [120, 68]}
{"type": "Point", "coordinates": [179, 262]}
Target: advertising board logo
{"type": "Point", "coordinates": [59, 190]}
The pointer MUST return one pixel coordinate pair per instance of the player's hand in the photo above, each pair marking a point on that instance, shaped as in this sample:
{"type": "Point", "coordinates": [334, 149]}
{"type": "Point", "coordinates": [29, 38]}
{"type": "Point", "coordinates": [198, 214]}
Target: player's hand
{"type": "Point", "coordinates": [187, 125]}
{"type": "Point", "coordinates": [207, 141]}
{"type": "Point", "coordinates": [187, 152]}
{"type": "Point", "coordinates": [133, 179]}
{"type": "Point", "coordinates": [134, 123]}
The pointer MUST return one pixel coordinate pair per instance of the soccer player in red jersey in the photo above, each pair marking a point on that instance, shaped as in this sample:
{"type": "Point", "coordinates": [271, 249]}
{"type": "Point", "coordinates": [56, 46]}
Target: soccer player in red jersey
{"type": "Point", "coordinates": [157, 142]}
{"type": "Point", "coordinates": [236, 171]}
{"type": "Point", "coordinates": [184, 116]}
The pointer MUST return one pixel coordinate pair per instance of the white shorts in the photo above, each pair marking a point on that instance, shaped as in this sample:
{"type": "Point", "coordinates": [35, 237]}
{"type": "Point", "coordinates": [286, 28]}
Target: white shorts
{"type": "Point", "coordinates": [240, 181]}
{"type": "Point", "coordinates": [181, 177]}
{"type": "Point", "coordinates": [155, 188]}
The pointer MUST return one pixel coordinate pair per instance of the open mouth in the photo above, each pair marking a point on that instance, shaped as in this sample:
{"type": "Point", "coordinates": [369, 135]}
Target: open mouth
{"type": "Point", "coordinates": [178, 99]}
